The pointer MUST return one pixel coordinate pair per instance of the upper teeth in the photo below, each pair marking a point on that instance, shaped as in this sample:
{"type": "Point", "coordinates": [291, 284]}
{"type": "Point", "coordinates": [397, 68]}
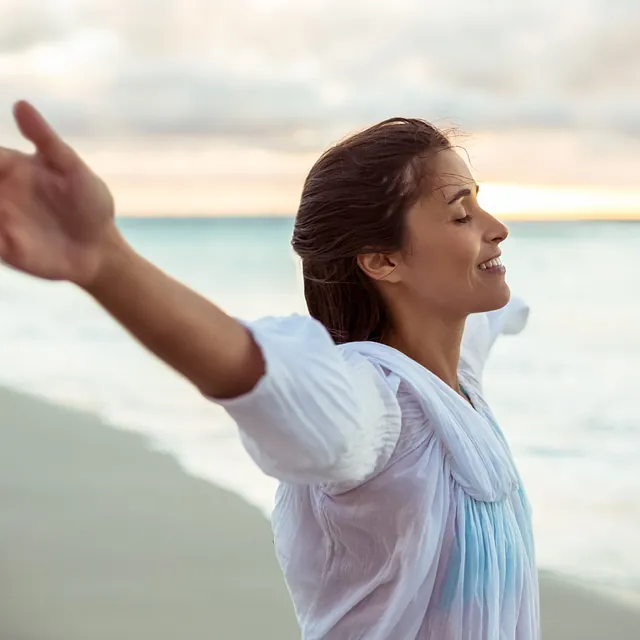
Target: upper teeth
{"type": "Point", "coordinates": [496, 262]}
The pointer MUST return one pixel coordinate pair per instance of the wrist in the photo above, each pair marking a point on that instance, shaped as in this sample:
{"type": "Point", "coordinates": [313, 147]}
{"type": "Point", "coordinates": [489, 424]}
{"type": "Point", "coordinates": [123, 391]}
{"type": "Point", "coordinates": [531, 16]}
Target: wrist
{"type": "Point", "coordinates": [109, 263]}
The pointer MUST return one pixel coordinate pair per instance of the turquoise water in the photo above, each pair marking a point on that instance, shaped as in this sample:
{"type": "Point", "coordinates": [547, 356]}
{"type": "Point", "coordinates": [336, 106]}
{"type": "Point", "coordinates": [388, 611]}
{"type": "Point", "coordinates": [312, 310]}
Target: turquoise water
{"type": "Point", "coordinates": [564, 391]}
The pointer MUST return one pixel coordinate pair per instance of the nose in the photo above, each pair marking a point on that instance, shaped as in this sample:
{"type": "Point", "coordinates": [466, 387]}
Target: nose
{"type": "Point", "coordinates": [498, 231]}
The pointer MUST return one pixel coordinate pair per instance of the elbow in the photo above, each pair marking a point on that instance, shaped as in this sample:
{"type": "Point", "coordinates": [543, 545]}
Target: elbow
{"type": "Point", "coordinates": [236, 378]}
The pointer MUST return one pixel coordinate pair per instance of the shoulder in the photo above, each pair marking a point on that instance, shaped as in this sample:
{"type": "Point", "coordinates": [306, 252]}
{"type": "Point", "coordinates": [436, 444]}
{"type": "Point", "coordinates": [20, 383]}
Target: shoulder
{"type": "Point", "coordinates": [291, 329]}
{"type": "Point", "coordinates": [306, 348]}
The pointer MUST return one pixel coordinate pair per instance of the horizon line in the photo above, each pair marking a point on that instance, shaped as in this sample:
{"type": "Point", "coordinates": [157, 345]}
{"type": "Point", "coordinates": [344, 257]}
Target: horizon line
{"type": "Point", "coordinates": [531, 217]}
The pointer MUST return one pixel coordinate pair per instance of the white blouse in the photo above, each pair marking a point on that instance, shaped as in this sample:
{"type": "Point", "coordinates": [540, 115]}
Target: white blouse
{"type": "Point", "coordinates": [400, 514]}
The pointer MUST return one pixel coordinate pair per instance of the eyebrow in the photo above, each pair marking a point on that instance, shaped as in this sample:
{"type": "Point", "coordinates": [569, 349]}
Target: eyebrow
{"type": "Point", "coordinates": [463, 193]}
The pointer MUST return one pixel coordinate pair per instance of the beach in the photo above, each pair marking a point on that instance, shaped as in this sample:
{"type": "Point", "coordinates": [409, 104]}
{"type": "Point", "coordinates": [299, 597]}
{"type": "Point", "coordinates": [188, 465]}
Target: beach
{"type": "Point", "coordinates": [101, 537]}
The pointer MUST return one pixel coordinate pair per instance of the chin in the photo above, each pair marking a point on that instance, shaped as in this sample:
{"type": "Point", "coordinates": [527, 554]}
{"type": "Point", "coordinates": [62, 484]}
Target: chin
{"type": "Point", "coordinates": [492, 300]}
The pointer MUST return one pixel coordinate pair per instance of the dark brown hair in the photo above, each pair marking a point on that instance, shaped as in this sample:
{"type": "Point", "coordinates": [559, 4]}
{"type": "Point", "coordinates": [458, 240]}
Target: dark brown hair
{"type": "Point", "coordinates": [354, 201]}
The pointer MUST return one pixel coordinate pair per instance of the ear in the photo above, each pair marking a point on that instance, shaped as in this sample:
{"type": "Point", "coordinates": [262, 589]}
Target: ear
{"type": "Point", "coordinates": [380, 266]}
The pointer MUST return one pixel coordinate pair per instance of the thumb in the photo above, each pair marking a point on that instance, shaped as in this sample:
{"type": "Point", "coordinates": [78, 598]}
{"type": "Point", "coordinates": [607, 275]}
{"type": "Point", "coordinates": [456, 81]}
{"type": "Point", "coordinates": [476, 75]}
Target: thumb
{"type": "Point", "coordinates": [37, 130]}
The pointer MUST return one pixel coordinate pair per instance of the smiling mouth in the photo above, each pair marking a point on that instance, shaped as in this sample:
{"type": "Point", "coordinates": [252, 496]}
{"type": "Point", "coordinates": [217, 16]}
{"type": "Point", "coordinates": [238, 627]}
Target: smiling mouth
{"type": "Point", "coordinates": [493, 266]}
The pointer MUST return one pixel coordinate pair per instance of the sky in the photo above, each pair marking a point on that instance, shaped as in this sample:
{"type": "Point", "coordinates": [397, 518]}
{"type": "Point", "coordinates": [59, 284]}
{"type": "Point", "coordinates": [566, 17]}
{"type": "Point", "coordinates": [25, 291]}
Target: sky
{"type": "Point", "coordinates": [548, 91]}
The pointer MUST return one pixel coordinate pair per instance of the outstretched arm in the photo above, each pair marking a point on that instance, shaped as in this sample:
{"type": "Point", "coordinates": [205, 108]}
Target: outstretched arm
{"type": "Point", "coordinates": [57, 222]}
{"type": "Point", "coordinates": [306, 413]}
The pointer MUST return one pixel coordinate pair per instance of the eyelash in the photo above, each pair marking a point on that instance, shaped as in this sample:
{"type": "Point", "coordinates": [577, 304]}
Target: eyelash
{"type": "Point", "coordinates": [464, 220]}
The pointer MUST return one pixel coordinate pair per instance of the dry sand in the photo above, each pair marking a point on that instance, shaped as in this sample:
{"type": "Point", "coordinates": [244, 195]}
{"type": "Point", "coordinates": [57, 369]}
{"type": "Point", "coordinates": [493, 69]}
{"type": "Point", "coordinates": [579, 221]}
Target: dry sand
{"type": "Point", "coordinates": [101, 538]}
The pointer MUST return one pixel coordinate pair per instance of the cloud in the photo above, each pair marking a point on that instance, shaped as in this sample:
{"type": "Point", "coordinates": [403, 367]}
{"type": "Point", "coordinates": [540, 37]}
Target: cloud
{"type": "Point", "coordinates": [265, 70]}
{"type": "Point", "coordinates": [31, 22]}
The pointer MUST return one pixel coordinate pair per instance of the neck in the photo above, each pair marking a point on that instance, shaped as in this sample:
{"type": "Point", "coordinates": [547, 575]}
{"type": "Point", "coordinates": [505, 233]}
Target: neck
{"type": "Point", "coordinates": [430, 338]}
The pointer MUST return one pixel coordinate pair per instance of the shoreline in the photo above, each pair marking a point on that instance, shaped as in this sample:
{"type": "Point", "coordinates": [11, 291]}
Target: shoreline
{"type": "Point", "coordinates": [104, 537]}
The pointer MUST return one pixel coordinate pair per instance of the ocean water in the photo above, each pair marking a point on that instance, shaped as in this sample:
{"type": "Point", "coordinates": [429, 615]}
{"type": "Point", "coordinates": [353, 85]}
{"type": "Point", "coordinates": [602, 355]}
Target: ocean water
{"type": "Point", "coordinates": [565, 391]}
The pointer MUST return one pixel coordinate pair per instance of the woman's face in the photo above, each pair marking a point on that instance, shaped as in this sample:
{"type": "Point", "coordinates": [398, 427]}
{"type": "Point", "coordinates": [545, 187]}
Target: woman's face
{"type": "Point", "coordinates": [451, 259]}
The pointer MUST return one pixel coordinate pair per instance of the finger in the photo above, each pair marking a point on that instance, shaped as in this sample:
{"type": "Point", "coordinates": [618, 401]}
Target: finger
{"type": "Point", "coordinates": [37, 130]}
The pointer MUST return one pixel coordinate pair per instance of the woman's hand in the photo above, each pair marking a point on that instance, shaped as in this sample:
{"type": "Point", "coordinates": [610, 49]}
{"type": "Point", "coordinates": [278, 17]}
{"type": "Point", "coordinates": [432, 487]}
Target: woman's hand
{"type": "Point", "coordinates": [56, 215]}
{"type": "Point", "coordinates": [57, 222]}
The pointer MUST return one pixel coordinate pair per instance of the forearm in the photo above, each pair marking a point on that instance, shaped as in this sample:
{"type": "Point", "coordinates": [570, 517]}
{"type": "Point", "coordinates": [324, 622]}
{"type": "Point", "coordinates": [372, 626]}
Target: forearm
{"type": "Point", "coordinates": [193, 336]}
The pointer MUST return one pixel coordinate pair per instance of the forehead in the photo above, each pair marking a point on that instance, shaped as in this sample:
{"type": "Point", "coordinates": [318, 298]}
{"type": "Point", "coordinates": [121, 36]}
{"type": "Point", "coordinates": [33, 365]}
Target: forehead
{"type": "Point", "coordinates": [450, 171]}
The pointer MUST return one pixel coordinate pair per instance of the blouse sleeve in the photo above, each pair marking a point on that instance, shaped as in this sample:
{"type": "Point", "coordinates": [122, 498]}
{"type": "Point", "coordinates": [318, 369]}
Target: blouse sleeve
{"type": "Point", "coordinates": [482, 330]}
{"type": "Point", "coordinates": [318, 414]}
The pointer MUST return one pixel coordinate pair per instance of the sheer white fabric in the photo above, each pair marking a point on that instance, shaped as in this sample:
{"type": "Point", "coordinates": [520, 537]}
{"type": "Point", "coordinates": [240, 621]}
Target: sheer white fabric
{"type": "Point", "coordinates": [400, 513]}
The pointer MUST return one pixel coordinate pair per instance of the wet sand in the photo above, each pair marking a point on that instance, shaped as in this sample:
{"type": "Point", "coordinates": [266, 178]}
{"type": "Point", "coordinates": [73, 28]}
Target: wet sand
{"type": "Point", "coordinates": [101, 538]}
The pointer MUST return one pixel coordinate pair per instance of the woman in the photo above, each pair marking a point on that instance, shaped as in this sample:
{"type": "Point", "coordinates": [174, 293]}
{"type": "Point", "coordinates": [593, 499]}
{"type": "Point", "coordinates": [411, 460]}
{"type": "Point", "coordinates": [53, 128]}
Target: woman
{"type": "Point", "coordinates": [400, 513]}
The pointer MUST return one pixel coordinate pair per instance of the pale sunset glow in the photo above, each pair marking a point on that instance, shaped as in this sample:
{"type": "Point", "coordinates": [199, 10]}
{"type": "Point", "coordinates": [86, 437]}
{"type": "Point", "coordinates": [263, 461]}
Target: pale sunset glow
{"type": "Point", "coordinates": [280, 197]}
{"type": "Point", "coordinates": [189, 179]}
{"type": "Point", "coordinates": [536, 202]}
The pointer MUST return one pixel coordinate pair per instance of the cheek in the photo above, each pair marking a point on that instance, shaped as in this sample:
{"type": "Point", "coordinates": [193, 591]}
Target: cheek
{"type": "Point", "coordinates": [443, 269]}
{"type": "Point", "coordinates": [442, 262]}
{"type": "Point", "coordinates": [430, 268]}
